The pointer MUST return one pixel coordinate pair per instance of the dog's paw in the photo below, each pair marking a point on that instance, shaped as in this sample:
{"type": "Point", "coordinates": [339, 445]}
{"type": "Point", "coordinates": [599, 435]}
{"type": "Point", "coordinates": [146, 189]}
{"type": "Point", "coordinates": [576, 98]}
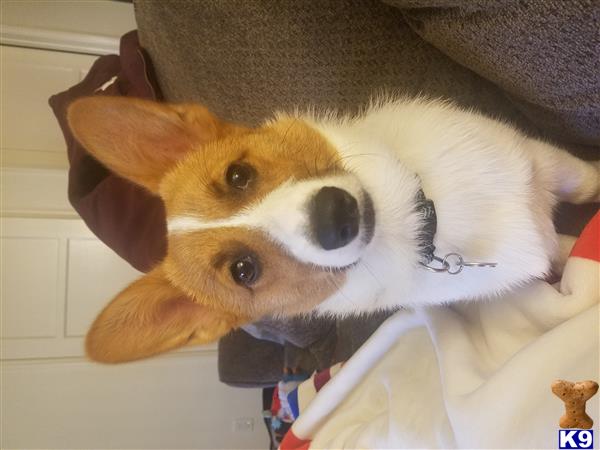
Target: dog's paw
{"type": "Point", "coordinates": [565, 245]}
{"type": "Point", "coordinates": [589, 187]}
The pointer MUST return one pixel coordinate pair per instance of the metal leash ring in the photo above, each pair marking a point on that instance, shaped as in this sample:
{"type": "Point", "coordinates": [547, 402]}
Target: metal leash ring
{"type": "Point", "coordinates": [454, 260]}
{"type": "Point", "coordinates": [460, 263]}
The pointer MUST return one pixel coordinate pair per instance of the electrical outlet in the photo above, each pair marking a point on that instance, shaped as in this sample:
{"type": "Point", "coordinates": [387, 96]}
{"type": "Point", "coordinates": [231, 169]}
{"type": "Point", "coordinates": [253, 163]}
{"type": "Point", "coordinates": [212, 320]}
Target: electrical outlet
{"type": "Point", "coordinates": [243, 424]}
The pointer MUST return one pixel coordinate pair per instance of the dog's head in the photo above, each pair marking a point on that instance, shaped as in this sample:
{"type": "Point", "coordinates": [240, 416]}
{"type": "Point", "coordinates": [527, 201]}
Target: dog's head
{"type": "Point", "coordinates": [260, 221]}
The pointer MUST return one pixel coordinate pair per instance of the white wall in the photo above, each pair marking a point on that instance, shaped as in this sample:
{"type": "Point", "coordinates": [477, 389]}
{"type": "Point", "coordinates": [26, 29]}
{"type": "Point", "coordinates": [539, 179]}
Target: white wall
{"type": "Point", "coordinates": [170, 402]}
{"type": "Point", "coordinates": [55, 275]}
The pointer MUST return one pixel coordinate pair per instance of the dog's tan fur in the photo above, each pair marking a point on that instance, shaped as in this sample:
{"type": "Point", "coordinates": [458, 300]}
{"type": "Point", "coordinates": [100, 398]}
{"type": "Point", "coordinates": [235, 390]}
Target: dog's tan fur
{"type": "Point", "coordinates": [190, 297]}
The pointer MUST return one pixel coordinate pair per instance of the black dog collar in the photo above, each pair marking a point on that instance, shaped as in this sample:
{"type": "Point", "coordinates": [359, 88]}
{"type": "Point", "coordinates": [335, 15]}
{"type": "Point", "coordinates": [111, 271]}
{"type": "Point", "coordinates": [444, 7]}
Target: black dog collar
{"type": "Point", "coordinates": [426, 208]}
{"type": "Point", "coordinates": [452, 263]}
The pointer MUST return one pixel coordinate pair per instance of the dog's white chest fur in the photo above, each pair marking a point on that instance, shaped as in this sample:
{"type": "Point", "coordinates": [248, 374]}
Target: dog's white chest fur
{"type": "Point", "coordinates": [490, 206]}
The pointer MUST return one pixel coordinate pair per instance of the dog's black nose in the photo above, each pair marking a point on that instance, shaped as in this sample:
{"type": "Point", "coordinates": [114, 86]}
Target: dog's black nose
{"type": "Point", "coordinates": [334, 217]}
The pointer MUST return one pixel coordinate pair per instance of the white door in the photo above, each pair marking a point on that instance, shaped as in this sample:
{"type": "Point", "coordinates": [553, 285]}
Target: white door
{"type": "Point", "coordinates": [55, 276]}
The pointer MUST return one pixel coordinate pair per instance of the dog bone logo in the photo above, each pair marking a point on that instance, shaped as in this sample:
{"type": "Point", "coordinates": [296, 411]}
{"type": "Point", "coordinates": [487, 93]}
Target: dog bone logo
{"type": "Point", "coordinates": [575, 395]}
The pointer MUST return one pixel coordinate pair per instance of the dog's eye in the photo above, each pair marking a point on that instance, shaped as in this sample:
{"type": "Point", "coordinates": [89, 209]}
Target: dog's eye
{"type": "Point", "coordinates": [239, 176]}
{"type": "Point", "coordinates": [245, 271]}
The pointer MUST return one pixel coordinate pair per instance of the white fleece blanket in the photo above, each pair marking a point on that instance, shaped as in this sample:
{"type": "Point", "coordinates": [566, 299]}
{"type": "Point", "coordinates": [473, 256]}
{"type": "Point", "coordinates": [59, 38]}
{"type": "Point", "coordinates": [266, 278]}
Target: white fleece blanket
{"type": "Point", "coordinates": [469, 375]}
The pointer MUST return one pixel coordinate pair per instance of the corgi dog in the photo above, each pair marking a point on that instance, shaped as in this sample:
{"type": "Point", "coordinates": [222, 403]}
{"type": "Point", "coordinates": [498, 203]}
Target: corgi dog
{"type": "Point", "coordinates": [326, 214]}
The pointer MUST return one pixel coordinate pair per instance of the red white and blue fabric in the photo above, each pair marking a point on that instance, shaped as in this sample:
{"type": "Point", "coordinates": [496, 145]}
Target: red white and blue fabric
{"type": "Point", "coordinates": [467, 375]}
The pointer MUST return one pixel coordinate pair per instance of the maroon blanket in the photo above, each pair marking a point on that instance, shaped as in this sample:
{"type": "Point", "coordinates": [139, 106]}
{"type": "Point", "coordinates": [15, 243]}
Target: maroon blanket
{"type": "Point", "coordinates": [126, 217]}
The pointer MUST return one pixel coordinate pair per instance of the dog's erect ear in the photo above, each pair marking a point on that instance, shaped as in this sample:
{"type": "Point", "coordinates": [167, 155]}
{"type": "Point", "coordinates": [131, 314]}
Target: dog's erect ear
{"type": "Point", "coordinates": [141, 139]}
{"type": "Point", "coordinates": [152, 316]}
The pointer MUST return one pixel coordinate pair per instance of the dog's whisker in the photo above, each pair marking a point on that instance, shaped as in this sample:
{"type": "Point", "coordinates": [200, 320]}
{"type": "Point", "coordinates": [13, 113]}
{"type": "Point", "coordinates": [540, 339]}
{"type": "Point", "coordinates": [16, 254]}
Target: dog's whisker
{"type": "Point", "coordinates": [340, 290]}
{"type": "Point", "coordinates": [366, 266]}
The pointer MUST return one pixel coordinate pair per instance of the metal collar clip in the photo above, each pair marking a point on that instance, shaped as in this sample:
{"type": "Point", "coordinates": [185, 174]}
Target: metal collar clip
{"type": "Point", "coordinates": [453, 264]}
